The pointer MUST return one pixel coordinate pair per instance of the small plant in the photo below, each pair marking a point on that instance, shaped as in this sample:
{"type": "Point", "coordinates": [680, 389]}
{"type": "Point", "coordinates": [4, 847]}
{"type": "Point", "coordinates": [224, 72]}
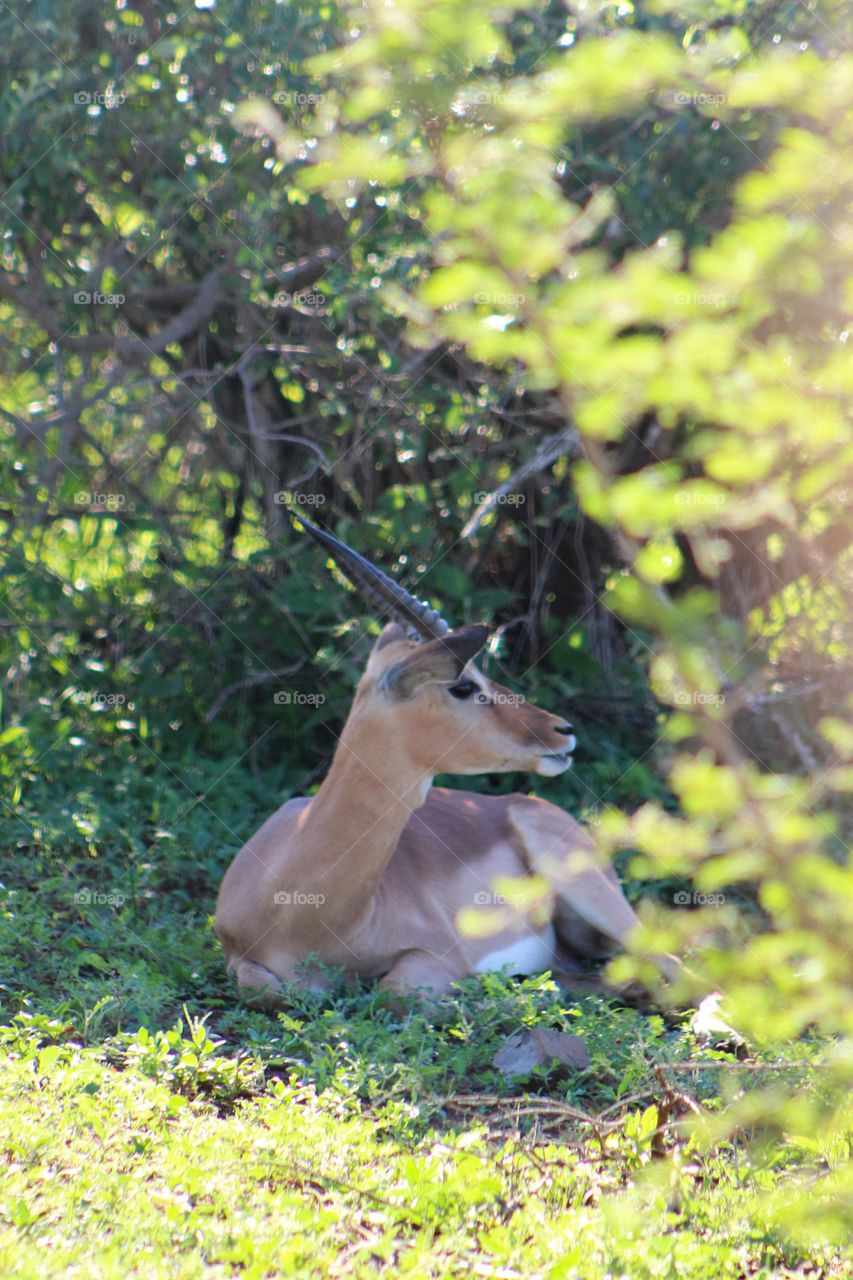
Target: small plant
{"type": "Point", "coordinates": [188, 1060]}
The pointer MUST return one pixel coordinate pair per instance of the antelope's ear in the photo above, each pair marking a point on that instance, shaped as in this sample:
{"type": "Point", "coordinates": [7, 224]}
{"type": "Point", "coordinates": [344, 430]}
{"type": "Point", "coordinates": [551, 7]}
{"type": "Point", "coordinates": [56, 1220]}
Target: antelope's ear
{"type": "Point", "coordinates": [443, 659]}
{"type": "Point", "coordinates": [388, 635]}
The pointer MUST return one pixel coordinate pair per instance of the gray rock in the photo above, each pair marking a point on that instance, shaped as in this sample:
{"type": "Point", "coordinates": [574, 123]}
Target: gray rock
{"type": "Point", "coordinates": [524, 1050]}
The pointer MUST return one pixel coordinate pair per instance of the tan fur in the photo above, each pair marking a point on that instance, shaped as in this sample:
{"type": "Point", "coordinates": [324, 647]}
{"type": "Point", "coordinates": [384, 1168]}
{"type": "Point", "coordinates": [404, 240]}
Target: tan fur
{"type": "Point", "coordinates": [372, 871]}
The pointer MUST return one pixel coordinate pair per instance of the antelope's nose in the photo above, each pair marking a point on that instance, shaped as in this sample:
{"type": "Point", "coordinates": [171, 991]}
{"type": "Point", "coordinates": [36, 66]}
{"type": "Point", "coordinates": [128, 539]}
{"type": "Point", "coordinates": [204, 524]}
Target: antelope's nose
{"type": "Point", "coordinates": [564, 729]}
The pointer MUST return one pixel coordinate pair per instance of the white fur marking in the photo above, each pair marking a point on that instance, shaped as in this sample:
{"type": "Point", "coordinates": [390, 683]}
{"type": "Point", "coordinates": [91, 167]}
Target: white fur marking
{"type": "Point", "coordinates": [527, 955]}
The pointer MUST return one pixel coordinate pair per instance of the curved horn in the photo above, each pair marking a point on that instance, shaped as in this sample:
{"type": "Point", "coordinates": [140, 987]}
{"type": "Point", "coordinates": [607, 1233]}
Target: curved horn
{"type": "Point", "coordinates": [377, 587]}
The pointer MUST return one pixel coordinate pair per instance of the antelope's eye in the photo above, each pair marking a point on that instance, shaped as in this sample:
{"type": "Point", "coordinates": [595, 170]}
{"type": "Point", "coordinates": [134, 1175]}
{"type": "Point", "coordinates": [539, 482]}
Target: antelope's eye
{"type": "Point", "coordinates": [463, 690]}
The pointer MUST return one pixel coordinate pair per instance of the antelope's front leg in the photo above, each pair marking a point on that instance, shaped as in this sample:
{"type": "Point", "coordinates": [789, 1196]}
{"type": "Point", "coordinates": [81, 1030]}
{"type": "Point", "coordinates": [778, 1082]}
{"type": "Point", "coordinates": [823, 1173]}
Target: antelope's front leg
{"type": "Point", "coordinates": [259, 984]}
{"type": "Point", "coordinates": [587, 894]}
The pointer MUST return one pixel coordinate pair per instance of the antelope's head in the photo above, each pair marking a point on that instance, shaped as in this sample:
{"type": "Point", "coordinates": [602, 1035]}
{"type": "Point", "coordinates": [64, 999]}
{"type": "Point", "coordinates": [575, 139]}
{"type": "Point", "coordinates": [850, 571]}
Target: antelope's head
{"type": "Point", "coordinates": [431, 704]}
{"type": "Point", "coordinates": [439, 709]}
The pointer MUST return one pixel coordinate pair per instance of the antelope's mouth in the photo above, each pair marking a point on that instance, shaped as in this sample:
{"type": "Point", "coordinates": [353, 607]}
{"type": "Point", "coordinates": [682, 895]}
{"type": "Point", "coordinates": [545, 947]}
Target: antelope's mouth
{"type": "Point", "coordinates": [565, 751]}
{"type": "Point", "coordinates": [553, 762]}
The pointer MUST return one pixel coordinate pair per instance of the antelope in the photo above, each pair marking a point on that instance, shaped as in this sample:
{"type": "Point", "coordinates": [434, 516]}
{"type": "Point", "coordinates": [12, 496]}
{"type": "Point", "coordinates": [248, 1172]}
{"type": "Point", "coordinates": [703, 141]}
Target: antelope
{"type": "Point", "coordinates": [371, 872]}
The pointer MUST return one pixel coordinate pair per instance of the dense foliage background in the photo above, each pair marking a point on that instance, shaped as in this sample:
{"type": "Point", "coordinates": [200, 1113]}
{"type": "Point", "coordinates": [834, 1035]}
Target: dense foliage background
{"type": "Point", "coordinates": [543, 308]}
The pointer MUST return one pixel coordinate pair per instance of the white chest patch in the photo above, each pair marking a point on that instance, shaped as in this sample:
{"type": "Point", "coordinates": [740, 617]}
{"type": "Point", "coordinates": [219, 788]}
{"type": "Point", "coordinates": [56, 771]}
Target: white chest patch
{"type": "Point", "coordinates": [527, 955]}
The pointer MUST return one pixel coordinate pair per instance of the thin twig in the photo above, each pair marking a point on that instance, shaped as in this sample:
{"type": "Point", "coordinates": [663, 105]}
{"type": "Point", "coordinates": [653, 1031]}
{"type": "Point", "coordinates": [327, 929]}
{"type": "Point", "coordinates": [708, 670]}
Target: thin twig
{"type": "Point", "coordinates": [566, 441]}
{"type": "Point", "coordinates": [249, 682]}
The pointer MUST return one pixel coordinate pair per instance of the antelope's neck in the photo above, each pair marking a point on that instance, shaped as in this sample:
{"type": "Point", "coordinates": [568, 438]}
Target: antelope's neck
{"type": "Point", "coordinates": [353, 824]}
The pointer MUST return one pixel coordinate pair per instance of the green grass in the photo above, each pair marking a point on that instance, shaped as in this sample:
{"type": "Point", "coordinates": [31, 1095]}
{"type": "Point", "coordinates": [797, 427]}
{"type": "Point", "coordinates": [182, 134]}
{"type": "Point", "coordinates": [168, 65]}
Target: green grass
{"type": "Point", "coordinates": [152, 1124]}
{"type": "Point", "coordinates": [338, 1145]}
